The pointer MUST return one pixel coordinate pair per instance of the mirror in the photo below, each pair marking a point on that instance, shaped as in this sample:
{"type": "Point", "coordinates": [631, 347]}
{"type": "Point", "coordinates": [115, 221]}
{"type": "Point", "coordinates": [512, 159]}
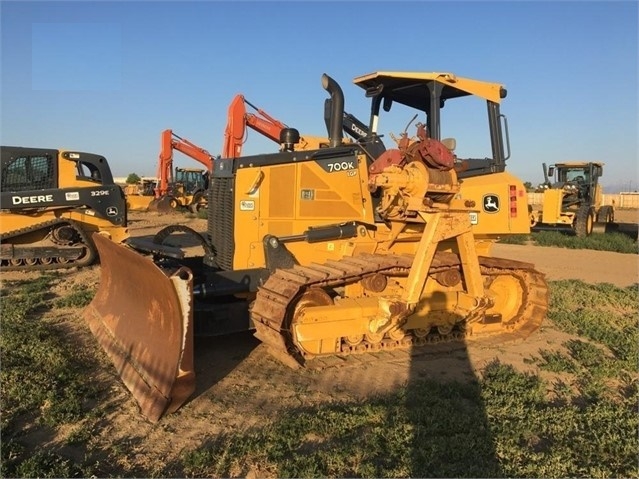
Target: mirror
{"type": "Point", "coordinates": [388, 102]}
{"type": "Point", "coordinates": [374, 91]}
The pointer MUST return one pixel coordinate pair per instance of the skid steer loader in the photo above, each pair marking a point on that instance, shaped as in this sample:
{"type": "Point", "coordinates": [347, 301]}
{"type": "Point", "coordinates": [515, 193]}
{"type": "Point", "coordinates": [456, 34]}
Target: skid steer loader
{"type": "Point", "coordinates": [51, 203]}
{"type": "Point", "coordinates": [350, 248]}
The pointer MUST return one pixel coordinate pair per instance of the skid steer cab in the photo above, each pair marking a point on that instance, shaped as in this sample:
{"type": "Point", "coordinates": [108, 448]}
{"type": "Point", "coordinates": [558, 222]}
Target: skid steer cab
{"type": "Point", "coordinates": [352, 247]}
{"type": "Point", "coordinates": [52, 202]}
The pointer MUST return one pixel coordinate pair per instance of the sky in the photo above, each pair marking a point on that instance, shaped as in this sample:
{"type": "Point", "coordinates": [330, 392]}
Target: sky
{"type": "Point", "coordinates": [109, 77]}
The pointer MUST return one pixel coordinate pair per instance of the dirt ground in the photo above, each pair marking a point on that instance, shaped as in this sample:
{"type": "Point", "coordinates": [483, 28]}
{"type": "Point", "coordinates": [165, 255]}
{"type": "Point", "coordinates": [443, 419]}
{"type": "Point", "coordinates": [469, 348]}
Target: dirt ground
{"type": "Point", "coordinates": [240, 385]}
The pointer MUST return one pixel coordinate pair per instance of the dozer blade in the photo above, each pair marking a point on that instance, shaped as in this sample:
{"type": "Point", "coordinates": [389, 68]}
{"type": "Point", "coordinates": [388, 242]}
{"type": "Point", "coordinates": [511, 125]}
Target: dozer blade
{"type": "Point", "coordinates": [143, 319]}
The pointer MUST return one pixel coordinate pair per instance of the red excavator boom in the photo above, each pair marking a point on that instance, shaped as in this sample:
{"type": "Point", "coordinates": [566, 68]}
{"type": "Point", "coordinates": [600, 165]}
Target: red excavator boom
{"type": "Point", "coordinates": [169, 142]}
{"type": "Point", "coordinates": [239, 119]}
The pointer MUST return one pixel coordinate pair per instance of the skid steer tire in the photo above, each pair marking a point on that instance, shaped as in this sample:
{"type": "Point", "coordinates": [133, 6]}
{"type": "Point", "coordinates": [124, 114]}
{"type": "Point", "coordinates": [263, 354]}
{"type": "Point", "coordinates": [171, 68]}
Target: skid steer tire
{"type": "Point", "coordinates": [584, 221]}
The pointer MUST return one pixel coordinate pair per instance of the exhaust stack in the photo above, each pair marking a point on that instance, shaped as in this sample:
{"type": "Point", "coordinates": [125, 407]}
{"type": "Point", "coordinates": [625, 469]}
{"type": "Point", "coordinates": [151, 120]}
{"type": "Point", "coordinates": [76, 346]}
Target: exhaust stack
{"type": "Point", "coordinates": [336, 106]}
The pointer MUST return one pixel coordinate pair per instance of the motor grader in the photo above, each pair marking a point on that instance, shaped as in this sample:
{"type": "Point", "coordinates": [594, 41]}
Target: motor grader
{"type": "Point", "coordinates": [573, 200]}
{"type": "Point", "coordinates": [350, 248]}
{"type": "Point", "coordinates": [52, 202]}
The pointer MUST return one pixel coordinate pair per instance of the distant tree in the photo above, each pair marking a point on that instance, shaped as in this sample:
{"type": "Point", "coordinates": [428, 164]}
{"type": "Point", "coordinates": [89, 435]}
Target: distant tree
{"type": "Point", "coordinates": [529, 186]}
{"type": "Point", "coordinates": [132, 178]}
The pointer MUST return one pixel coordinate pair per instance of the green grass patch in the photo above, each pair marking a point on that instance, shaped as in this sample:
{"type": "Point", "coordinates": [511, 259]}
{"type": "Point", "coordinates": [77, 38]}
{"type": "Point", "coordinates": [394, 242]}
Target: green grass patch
{"type": "Point", "coordinates": [42, 371]}
{"type": "Point", "coordinates": [41, 463]}
{"type": "Point", "coordinates": [503, 424]}
{"type": "Point", "coordinates": [43, 377]}
{"type": "Point", "coordinates": [79, 297]}
{"type": "Point", "coordinates": [615, 242]}
{"type": "Point", "coordinates": [556, 362]}
{"type": "Point", "coordinates": [535, 437]}
{"type": "Point", "coordinates": [376, 438]}
{"type": "Point", "coordinates": [515, 239]}
{"type": "Point", "coordinates": [203, 213]}
{"type": "Point", "coordinates": [602, 313]}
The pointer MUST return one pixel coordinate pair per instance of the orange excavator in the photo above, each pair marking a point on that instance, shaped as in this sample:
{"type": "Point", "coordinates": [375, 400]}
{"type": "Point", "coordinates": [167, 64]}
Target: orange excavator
{"type": "Point", "coordinates": [187, 186]}
{"type": "Point", "coordinates": [238, 119]}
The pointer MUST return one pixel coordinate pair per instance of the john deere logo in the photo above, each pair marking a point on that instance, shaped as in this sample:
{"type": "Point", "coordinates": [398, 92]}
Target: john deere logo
{"type": "Point", "coordinates": [112, 211]}
{"type": "Point", "coordinates": [491, 203]}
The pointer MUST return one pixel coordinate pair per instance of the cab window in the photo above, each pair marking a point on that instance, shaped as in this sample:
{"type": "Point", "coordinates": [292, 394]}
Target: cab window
{"type": "Point", "coordinates": [28, 173]}
{"type": "Point", "coordinates": [88, 171]}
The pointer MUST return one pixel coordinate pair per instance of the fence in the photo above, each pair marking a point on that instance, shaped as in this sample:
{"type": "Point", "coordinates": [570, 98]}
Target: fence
{"type": "Point", "coordinates": [620, 200]}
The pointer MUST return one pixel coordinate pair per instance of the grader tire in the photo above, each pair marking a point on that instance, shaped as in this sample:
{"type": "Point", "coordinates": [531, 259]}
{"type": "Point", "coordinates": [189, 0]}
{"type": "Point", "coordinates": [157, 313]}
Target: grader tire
{"type": "Point", "coordinates": [605, 214]}
{"type": "Point", "coordinates": [584, 221]}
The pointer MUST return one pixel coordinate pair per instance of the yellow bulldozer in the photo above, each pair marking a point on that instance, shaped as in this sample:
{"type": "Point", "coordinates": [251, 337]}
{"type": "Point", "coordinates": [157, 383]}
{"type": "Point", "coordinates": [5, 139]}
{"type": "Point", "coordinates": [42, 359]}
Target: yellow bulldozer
{"type": "Point", "coordinates": [349, 248]}
{"type": "Point", "coordinates": [52, 202]}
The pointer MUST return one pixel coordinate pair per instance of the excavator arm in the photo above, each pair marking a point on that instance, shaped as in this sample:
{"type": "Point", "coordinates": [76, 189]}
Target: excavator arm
{"type": "Point", "coordinates": [237, 121]}
{"type": "Point", "coordinates": [169, 142]}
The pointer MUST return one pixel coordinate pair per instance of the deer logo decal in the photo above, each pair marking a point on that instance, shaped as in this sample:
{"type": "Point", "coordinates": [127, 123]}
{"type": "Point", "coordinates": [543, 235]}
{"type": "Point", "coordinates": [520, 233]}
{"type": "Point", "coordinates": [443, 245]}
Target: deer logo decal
{"type": "Point", "coordinates": [491, 203]}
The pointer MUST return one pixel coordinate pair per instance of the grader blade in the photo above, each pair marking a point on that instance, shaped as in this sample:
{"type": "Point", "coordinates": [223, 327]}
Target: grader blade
{"type": "Point", "coordinates": [143, 319]}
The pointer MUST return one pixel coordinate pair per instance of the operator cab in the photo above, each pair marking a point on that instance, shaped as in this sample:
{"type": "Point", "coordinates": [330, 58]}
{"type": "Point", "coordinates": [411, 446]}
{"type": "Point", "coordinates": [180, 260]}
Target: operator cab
{"type": "Point", "coordinates": [428, 93]}
{"type": "Point", "coordinates": [579, 176]}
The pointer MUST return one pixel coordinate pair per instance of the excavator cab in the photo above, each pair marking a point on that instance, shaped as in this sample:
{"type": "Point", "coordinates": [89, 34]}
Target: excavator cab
{"type": "Point", "coordinates": [335, 250]}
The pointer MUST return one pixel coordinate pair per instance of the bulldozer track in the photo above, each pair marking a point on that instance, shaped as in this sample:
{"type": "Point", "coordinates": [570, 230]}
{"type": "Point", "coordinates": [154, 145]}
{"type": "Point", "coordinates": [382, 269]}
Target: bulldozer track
{"type": "Point", "coordinates": [50, 261]}
{"type": "Point", "coordinates": [272, 309]}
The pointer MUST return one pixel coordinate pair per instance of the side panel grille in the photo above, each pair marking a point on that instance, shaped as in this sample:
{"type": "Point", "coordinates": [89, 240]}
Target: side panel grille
{"type": "Point", "coordinates": [220, 221]}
